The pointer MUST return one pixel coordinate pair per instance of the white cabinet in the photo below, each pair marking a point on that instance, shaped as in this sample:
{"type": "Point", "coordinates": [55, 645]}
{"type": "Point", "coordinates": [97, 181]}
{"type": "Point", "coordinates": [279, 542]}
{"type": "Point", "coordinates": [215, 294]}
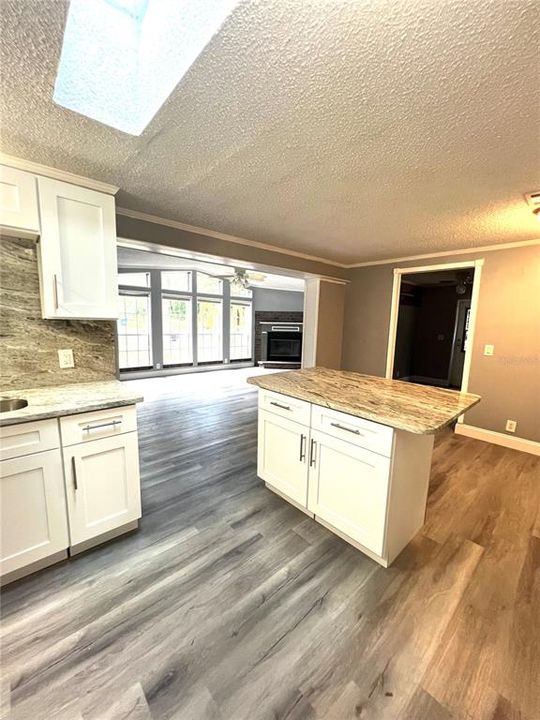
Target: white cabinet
{"type": "Point", "coordinates": [102, 485]}
{"type": "Point", "coordinates": [32, 509]}
{"type": "Point", "coordinates": [77, 252]}
{"type": "Point", "coordinates": [18, 202]}
{"type": "Point", "coordinates": [348, 488]}
{"type": "Point", "coordinates": [282, 455]}
{"type": "Point", "coordinates": [70, 490]}
{"type": "Point", "coordinates": [364, 481]}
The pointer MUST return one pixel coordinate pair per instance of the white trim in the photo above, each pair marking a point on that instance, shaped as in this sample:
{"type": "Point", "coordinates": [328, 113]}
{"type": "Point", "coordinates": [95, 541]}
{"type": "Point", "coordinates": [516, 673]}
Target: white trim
{"type": "Point", "coordinates": [136, 215]}
{"type": "Point", "coordinates": [443, 253]}
{"type": "Point", "coordinates": [56, 174]}
{"type": "Point", "coordinates": [497, 438]}
{"type": "Point", "coordinates": [311, 322]}
{"type": "Point", "coordinates": [394, 313]}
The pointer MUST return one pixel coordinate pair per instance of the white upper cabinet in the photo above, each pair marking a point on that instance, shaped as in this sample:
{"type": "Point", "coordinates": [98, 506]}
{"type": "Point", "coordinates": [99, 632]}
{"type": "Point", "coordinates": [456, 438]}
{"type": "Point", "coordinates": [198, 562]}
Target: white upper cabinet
{"type": "Point", "coordinates": [78, 277]}
{"type": "Point", "coordinates": [18, 202]}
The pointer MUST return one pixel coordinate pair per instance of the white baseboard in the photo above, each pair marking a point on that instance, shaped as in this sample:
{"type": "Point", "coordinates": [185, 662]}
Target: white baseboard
{"type": "Point", "coordinates": [497, 438]}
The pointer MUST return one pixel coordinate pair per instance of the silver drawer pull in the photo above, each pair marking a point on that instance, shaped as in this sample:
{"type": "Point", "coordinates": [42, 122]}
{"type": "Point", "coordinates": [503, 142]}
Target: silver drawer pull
{"type": "Point", "coordinates": [279, 405]}
{"type": "Point", "coordinates": [312, 453]}
{"type": "Point", "coordinates": [74, 472]}
{"type": "Point", "coordinates": [342, 427]}
{"type": "Point", "coordinates": [102, 425]}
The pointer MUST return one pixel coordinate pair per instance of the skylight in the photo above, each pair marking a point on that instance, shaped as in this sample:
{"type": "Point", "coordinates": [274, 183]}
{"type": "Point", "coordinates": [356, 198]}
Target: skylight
{"type": "Point", "coordinates": [121, 59]}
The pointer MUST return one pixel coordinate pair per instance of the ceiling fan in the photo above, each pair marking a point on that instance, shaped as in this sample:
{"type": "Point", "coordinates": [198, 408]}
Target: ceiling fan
{"type": "Point", "coordinates": [242, 279]}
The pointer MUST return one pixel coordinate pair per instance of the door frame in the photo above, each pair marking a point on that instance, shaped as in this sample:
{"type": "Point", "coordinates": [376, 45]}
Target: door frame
{"type": "Point", "coordinates": [475, 265]}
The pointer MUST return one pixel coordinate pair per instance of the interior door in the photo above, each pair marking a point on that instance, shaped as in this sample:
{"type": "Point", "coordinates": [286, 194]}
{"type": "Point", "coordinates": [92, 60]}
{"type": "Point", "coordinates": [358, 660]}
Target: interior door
{"type": "Point", "coordinates": [32, 509]}
{"type": "Point", "coordinates": [77, 252]}
{"type": "Point", "coordinates": [348, 488]}
{"type": "Point", "coordinates": [282, 450]}
{"type": "Point", "coordinates": [102, 485]}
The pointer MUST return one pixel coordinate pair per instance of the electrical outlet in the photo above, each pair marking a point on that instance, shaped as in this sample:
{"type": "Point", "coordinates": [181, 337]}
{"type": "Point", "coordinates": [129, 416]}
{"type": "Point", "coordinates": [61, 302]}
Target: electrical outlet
{"type": "Point", "coordinates": [489, 349]}
{"type": "Point", "coordinates": [511, 426]}
{"type": "Point", "coordinates": [65, 358]}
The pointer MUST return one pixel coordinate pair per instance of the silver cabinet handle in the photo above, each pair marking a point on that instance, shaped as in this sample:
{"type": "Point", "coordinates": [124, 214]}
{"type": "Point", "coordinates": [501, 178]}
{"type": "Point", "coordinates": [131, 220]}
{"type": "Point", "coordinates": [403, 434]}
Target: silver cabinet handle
{"type": "Point", "coordinates": [279, 405]}
{"type": "Point", "coordinates": [342, 427]}
{"type": "Point", "coordinates": [312, 458]}
{"type": "Point", "coordinates": [102, 425]}
{"type": "Point", "coordinates": [55, 291]}
{"type": "Point", "coordinates": [302, 448]}
{"type": "Point", "coordinates": [74, 472]}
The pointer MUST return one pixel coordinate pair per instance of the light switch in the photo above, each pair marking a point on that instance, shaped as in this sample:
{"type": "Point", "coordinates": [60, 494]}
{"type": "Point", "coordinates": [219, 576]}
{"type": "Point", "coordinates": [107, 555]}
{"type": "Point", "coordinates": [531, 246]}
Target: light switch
{"type": "Point", "coordinates": [488, 349]}
{"type": "Point", "coordinates": [65, 358]}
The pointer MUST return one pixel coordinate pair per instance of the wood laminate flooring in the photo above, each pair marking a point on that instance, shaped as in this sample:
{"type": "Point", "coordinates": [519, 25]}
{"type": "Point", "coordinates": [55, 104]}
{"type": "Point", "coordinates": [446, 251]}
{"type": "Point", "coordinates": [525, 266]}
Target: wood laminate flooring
{"type": "Point", "coordinates": [230, 604]}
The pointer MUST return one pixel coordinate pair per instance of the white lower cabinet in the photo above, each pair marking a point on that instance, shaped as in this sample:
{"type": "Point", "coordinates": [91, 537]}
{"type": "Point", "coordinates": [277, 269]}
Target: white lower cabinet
{"type": "Point", "coordinates": [364, 481]}
{"type": "Point", "coordinates": [55, 496]}
{"type": "Point", "coordinates": [348, 488]}
{"type": "Point", "coordinates": [32, 509]}
{"type": "Point", "coordinates": [102, 485]}
{"type": "Point", "coordinates": [282, 455]}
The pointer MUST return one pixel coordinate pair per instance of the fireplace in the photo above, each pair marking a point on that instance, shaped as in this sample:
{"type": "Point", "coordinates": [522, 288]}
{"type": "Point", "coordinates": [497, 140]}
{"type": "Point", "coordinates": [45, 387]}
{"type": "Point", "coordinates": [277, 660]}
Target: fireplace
{"type": "Point", "coordinates": [281, 344]}
{"type": "Point", "coordinates": [284, 346]}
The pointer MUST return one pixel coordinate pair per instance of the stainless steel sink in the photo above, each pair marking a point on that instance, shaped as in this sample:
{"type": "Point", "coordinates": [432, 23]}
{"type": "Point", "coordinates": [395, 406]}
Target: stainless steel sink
{"type": "Point", "coordinates": [10, 404]}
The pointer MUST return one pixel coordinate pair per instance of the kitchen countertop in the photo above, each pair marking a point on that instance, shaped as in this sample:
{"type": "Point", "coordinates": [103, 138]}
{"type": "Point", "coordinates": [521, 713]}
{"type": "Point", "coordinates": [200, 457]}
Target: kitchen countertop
{"type": "Point", "coordinates": [71, 399]}
{"type": "Point", "coordinates": [419, 409]}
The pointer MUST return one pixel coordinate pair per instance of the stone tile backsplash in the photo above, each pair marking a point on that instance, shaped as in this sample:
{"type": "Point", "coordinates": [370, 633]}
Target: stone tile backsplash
{"type": "Point", "coordinates": [29, 344]}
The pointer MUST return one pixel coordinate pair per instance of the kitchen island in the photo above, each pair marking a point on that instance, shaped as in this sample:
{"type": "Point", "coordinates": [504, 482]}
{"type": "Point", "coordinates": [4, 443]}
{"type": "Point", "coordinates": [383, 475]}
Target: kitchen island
{"type": "Point", "coordinates": [353, 451]}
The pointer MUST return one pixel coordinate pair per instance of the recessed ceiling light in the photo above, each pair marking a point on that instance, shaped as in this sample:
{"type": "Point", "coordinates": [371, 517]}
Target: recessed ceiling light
{"type": "Point", "coordinates": [121, 59]}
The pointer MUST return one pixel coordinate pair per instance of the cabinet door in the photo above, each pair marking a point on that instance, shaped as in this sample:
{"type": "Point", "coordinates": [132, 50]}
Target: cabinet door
{"type": "Point", "coordinates": [32, 509]}
{"type": "Point", "coordinates": [77, 252]}
{"type": "Point", "coordinates": [281, 455]}
{"type": "Point", "coordinates": [18, 200]}
{"type": "Point", "coordinates": [102, 485]}
{"type": "Point", "coordinates": [348, 488]}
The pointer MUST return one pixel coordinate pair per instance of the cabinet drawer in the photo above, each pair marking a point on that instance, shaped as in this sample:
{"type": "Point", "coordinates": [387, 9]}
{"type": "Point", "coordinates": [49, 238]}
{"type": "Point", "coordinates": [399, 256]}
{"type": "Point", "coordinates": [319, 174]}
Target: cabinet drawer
{"type": "Point", "coordinates": [285, 406]}
{"type": "Point", "coordinates": [364, 433]}
{"type": "Point", "coordinates": [85, 427]}
{"type": "Point", "coordinates": [28, 438]}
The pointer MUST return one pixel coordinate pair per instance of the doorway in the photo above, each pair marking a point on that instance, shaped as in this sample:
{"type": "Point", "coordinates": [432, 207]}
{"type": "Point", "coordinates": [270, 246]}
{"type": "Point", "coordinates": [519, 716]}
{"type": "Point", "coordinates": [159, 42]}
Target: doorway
{"type": "Point", "coordinates": [432, 323]}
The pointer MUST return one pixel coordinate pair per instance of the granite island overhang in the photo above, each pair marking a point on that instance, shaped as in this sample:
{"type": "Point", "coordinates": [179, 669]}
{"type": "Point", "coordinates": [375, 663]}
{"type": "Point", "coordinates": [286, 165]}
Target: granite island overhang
{"type": "Point", "coordinates": [353, 451]}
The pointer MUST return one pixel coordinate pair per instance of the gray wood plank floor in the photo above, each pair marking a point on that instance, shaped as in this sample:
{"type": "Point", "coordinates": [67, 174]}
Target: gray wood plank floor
{"type": "Point", "coordinates": [229, 604]}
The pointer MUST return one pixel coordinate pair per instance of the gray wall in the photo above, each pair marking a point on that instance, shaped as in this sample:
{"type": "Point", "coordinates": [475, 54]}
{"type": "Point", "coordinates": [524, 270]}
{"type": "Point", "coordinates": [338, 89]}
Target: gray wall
{"type": "Point", "coordinates": [29, 344]}
{"type": "Point", "coordinates": [330, 325]}
{"type": "Point", "coordinates": [182, 239]}
{"type": "Point", "coordinates": [279, 300]}
{"type": "Point", "coordinates": [508, 317]}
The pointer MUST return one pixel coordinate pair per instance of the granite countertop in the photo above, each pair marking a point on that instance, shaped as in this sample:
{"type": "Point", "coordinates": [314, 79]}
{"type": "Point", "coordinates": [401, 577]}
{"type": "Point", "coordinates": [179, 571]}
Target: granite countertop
{"type": "Point", "coordinates": [61, 400]}
{"type": "Point", "coordinates": [420, 409]}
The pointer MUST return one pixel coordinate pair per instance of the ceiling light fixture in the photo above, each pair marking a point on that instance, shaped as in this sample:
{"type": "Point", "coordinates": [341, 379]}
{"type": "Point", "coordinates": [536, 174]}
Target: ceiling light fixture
{"type": "Point", "coordinates": [121, 59]}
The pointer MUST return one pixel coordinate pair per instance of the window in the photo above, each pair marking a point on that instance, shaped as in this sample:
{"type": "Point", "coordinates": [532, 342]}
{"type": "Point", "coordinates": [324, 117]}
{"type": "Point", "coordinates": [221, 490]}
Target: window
{"type": "Point", "coordinates": [134, 336]}
{"type": "Point", "coordinates": [209, 330]}
{"type": "Point", "coordinates": [177, 331]}
{"type": "Point", "coordinates": [141, 279]}
{"type": "Point", "coordinates": [207, 284]}
{"type": "Point", "coordinates": [240, 344]}
{"type": "Point", "coordinates": [121, 59]}
{"type": "Point", "coordinates": [178, 280]}
{"type": "Point", "coordinates": [237, 291]}
{"type": "Point", "coordinates": [178, 318]}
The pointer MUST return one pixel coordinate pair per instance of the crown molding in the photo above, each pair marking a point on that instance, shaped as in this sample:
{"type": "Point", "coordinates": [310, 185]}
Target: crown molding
{"type": "Point", "coordinates": [444, 253]}
{"type": "Point", "coordinates": [136, 215]}
{"type": "Point", "coordinates": [56, 174]}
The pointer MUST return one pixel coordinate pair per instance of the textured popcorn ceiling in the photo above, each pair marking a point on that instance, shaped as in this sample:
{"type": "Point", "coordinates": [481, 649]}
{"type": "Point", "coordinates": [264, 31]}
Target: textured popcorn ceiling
{"type": "Point", "coordinates": [349, 130]}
